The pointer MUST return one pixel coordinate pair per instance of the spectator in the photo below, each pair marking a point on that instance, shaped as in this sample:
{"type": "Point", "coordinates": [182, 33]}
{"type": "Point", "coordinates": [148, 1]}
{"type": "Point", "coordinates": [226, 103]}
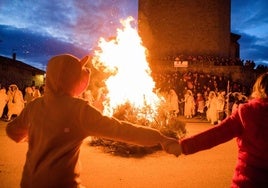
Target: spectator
{"type": "Point", "coordinates": [200, 105]}
{"type": "Point", "coordinates": [36, 92]}
{"type": "Point", "coordinates": [3, 100]}
{"type": "Point", "coordinates": [15, 101]}
{"type": "Point", "coordinates": [211, 103]}
{"type": "Point", "coordinates": [221, 104]}
{"type": "Point", "coordinates": [189, 104]}
{"type": "Point", "coordinates": [28, 96]}
{"type": "Point", "coordinates": [173, 103]}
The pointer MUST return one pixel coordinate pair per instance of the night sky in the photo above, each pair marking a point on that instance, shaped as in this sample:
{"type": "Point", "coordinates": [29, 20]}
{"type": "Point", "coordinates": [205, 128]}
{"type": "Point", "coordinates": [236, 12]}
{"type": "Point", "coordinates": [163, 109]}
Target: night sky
{"type": "Point", "coordinates": [37, 30]}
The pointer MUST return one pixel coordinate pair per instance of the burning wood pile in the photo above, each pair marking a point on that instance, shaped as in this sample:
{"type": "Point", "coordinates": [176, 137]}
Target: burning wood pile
{"type": "Point", "coordinates": [129, 90]}
{"type": "Point", "coordinates": [168, 124]}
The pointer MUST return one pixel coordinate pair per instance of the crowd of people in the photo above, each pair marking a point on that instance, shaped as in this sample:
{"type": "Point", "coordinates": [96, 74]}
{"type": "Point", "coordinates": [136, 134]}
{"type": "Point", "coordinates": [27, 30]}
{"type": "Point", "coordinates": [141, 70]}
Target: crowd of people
{"type": "Point", "coordinates": [206, 96]}
{"type": "Point", "coordinates": [189, 94]}
{"type": "Point", "coordinates": [197, 94]}
{"type": "Point", "coordinates": [206, 60]}
{"type": "Point", "coordinates": [13, 100]}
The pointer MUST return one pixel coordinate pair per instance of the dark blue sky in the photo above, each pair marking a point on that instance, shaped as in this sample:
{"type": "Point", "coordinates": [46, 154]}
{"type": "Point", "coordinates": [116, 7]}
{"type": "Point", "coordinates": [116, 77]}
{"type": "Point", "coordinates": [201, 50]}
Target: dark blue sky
{"type": "Point", "coordinates": [37, 30]}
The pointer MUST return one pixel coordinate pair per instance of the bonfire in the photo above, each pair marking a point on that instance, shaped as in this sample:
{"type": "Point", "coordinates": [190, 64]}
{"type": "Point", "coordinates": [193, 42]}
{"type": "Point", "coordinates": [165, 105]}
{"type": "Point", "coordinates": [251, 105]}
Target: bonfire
{"type": "Point", "coordinates": [129, 90]}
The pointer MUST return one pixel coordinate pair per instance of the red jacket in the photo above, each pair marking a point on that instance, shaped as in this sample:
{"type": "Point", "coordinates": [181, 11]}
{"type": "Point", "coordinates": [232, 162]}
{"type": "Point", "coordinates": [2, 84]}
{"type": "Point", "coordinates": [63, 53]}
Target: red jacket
{"type": "Point", "coordinates": [250, 125]}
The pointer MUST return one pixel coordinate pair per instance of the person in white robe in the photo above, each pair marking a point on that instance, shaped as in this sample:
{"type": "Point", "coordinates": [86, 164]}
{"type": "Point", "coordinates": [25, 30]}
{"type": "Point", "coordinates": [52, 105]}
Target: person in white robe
{"type": "Point", "coordinates": [211, 103]}
{"type": "Point", "coordinates": [173, 103]}
{"type": "Point", "coordinates": [15, 101]}
{"type": "Point", "coordinates": [28, 96]}
{"type": "Point", "coordinates": [221, 104]}
{"type": "Point", "coordinates": [3, 100]}
{"type": "Point", "coordinates": [189, 105]}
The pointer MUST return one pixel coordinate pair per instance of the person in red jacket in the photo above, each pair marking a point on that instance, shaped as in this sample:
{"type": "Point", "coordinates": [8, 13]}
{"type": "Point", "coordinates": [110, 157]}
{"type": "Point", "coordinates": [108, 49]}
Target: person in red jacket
{"type": "Point", "coordinates": [56, 124]}
{"type": "Point", "coordinates": [249, 124]}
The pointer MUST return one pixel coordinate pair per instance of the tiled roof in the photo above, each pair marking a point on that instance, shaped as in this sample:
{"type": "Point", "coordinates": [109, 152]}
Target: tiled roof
{"type": "Point", "coordinates": [19, 64]}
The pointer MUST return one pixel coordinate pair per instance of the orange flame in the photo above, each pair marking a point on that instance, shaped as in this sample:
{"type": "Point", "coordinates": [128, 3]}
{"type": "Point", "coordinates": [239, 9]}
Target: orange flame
{"type": "Point", "coordinates": [131, 81]}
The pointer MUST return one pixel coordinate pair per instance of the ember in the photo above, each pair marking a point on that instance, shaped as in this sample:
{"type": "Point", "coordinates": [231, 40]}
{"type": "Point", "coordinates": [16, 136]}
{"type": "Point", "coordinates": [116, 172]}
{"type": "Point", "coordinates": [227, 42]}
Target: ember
{"type": "Point", "coordinates": [129, 86]}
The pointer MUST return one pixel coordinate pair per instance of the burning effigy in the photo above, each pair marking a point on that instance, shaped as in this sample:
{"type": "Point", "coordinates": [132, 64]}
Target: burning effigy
{"type": "Point", "coordinates": [126, 89]}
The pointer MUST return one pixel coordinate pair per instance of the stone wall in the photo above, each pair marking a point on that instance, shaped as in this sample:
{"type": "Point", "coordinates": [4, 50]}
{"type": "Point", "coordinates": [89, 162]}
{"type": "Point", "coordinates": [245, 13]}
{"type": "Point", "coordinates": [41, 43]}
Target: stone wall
{"type": "Point", "coordinates": [173, 27]}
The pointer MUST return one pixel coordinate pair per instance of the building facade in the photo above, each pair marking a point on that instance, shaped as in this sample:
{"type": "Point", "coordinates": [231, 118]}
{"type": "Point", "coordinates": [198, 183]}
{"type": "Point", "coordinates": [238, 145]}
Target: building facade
{"type": "Point", "coordinates": [16, 72]}
{"type": "Point", "coordinates": [169, 28]}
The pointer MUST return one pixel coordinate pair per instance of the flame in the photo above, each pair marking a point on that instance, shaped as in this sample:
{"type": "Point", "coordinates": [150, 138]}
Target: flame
{"type": "Point", "coordinates": [130, 79]}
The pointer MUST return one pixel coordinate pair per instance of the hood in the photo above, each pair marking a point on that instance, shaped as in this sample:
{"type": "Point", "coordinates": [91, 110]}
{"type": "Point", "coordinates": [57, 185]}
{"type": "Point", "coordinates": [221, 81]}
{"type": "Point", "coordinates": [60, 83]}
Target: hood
{"type": "Point", "coordinates": [66, 75]}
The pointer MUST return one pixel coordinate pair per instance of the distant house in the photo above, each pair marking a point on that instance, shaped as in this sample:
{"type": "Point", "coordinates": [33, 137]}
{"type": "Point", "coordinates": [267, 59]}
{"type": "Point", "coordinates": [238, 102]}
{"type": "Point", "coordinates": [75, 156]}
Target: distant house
{"type": "Point", "coordinates": [16, 72]}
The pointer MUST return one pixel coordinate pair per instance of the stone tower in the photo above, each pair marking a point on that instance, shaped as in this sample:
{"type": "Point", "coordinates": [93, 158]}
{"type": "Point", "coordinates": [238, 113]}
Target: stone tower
{"type": "Point", "coordinates": [190, 27]}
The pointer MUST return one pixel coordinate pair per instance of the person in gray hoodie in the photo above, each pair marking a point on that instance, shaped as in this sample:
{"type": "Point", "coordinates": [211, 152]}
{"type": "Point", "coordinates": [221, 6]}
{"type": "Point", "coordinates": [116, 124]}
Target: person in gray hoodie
{"type": "Point", "coordinates": [56, 124]}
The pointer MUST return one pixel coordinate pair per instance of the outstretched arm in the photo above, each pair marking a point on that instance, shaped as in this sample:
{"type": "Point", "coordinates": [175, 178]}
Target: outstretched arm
{"type": "Point", "coordinates": [16, 130]}
{"type": "Point", "coordinates": [95, 124]}
{"type": "Point", "coordinates": [225, 131]}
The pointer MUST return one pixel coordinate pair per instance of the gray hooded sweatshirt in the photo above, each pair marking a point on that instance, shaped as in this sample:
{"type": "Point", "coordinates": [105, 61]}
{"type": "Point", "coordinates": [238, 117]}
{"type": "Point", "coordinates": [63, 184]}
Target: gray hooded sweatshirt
{"type": "Point", "coordinates": [56, 124]}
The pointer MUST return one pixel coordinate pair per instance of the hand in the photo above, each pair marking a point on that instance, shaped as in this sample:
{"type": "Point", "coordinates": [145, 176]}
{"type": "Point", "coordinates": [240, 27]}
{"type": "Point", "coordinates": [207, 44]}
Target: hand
{"type": "Point", "coordinates": [171, 146]}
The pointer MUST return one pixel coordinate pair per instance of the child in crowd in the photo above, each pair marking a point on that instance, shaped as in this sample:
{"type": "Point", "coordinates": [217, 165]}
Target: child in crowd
{"type": "Point", "coordinates": [56, 124]}
{"type": "Point", "coordinates": [249, 124]}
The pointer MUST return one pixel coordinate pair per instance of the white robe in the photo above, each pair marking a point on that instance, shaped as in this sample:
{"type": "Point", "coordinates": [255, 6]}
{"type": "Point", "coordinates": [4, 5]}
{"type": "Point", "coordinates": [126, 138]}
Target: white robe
{"type": "Point", "coordinates": [3, 101]}
{"type": "Point", "coordinates": [212, 113]}
{"type": "Point", "coordinates": [15, 104]}
{"type": "Point", "coordinates": [189, 106]}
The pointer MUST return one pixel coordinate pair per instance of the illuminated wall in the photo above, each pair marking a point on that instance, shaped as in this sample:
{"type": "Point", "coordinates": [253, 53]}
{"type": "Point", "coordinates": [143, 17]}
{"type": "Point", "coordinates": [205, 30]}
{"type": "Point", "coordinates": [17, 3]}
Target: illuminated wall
{"type": "Point", "coordinates": [189, 27]}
